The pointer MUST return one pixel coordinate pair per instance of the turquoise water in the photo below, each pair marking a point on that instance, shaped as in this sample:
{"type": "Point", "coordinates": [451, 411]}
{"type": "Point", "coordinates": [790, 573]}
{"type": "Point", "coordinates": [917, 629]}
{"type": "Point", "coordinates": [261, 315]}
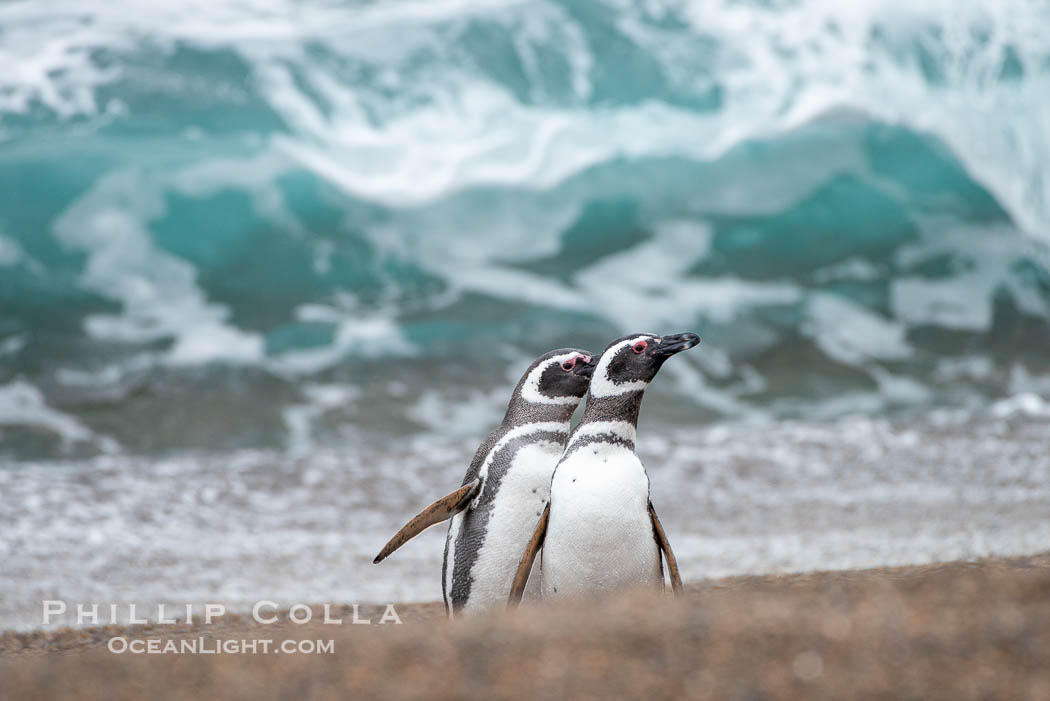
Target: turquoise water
{"type": "Point", "coordinates": [283, 224]}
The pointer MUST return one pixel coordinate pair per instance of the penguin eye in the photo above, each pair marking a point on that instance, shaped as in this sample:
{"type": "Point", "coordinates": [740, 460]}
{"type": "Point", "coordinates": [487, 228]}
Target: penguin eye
{"type": "Point", "coordinates": [639, 347]}
{"type": "Point", "coordinates": [568, 365]}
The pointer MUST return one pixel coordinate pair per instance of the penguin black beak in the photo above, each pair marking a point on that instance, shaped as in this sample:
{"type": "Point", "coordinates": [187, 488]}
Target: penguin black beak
{"type": "Point", "coordinates": [586, 369]}
{"type": "Point", "coordinates": [669, 345]}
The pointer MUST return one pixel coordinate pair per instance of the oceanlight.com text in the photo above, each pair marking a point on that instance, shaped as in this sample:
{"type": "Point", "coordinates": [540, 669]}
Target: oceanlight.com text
{"type": "Point", "coordinates": [209, 646]}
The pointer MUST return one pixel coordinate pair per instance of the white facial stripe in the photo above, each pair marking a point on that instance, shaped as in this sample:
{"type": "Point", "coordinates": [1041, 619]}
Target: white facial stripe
{"type": "Point", "coordinates": [601, 385]}
{"type": "Point", "coordinates": [621, 429]}
{"type": "Point", "coordinates": [530, 391]}
{"type": "Point", "coordinates": [514, 433]}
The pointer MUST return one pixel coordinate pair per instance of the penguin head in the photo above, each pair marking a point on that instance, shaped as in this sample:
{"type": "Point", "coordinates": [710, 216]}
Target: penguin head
{"type": "Point", "coordinates": [629, 363]}
{"type": "Point", "coordinates": [558, 377]}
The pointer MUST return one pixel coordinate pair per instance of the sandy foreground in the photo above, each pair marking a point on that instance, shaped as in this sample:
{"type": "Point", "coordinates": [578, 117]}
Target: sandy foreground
{"type": "Point", "coordinates": [958, 630]}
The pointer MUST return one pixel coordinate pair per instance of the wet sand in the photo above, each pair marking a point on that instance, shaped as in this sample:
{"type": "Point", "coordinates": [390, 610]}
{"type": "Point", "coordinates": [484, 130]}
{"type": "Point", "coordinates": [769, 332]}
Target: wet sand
{"type": "Point", "coordinates": [962, 630]}
{"type": "Point", "coordinates": [791, 497]}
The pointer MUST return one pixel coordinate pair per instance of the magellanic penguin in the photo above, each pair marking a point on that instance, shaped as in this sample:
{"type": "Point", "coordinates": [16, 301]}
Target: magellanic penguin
{"type": "Point", "coordinates": [600, 530]}
{"type": "Point", "coordinates": [506, 486]}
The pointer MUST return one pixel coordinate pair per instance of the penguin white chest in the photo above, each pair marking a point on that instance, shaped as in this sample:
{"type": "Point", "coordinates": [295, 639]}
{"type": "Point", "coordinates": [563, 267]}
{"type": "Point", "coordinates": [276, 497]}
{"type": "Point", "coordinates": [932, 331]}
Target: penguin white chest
{"type": "Point", "coordinates": [514, 510]}
{"type": "Point", "coordinates": [600, 535]}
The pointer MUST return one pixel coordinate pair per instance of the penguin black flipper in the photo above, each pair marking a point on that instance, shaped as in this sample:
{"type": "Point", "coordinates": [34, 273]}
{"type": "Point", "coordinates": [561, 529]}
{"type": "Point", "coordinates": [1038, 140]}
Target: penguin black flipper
{"type": "Point", "coordinates": [665, 546]}
{"type": "Point", "coordinates": [441, 510]}
{"type": "Point", "coordinates": [521, 577]}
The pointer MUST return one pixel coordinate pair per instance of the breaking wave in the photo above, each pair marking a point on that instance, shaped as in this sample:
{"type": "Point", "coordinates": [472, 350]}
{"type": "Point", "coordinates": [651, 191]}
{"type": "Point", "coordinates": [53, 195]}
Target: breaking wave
{"type": "Point", "coordinates": [226, 225]}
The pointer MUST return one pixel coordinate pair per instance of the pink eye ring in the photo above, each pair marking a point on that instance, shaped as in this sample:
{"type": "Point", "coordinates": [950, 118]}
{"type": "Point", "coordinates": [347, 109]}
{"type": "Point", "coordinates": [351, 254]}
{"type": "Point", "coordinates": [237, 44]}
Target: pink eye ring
{"type": "Point", "coordinates": [568, 365]}
{"type": "Point", "coordinates": [639, 347]}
